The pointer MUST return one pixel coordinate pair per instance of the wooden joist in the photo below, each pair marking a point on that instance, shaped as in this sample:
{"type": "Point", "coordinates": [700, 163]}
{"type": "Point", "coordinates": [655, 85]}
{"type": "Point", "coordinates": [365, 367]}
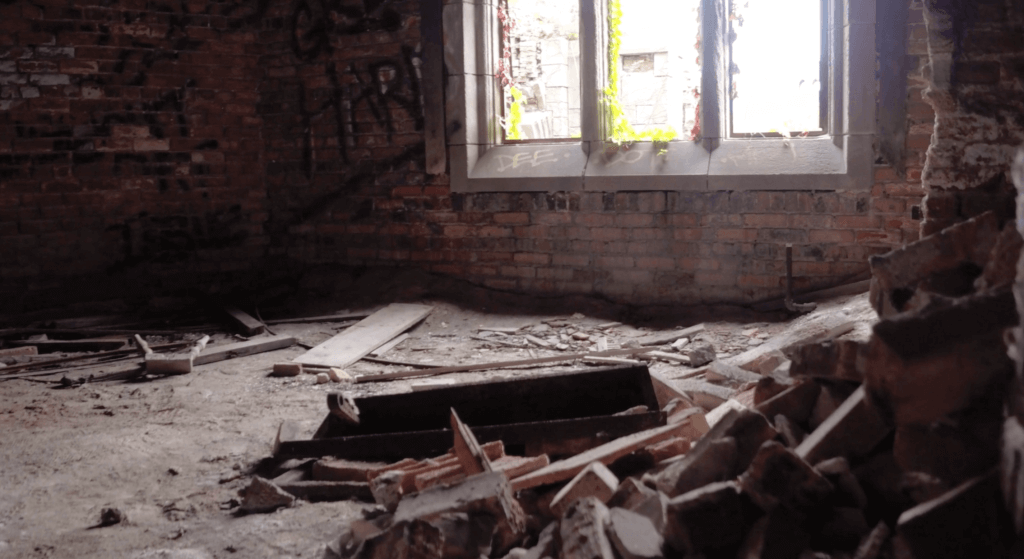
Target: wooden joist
{"type": "Point", "coordinates": [216, 353]}
{"type": "Point", "coordinates": [369, 334]}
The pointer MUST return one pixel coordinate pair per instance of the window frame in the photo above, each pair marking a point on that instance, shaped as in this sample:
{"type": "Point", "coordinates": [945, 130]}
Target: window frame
{"type": "Point", "coordinates": [480, 162]}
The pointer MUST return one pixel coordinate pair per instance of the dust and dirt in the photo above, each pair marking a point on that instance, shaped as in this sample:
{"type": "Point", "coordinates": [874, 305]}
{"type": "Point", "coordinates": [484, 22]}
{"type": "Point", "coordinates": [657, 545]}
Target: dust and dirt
{"type": "Point", "coordinates": [172, 453]}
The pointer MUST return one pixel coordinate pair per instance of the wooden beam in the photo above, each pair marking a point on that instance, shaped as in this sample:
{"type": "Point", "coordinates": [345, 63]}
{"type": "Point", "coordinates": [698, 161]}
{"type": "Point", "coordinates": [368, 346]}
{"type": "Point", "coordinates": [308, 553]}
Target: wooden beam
{"type": "Point", "coordinates": [497, 365]}
{"type": "Point", "coordinates": [369, 334]}
{"type": "Point", "coordinates": [243, 322]}
{"type": "Point", "coordinates": [214, 354]}
{"type": "Point", "coordinates": [116, 353]}
{"type": "Point", "coordinates": [340, 317]}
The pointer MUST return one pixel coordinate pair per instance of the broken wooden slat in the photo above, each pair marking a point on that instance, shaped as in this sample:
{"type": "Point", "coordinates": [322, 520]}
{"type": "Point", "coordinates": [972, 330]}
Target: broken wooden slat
{"type": "Point", "coordinates": [471, 456]}
{"type": "Point", "coordinates": [173, 363]}
{"type": "Point", "coordinates": [244, 323]}
{"type": "Point", "coordinates": [115, 353]}
{"type": "Point", "coordinates": [369, 334]}
{"type": "Point", "coordinates": [606, 454]}
{"type": "Point", "coordinates": [343, 407]}
{"type": "Point", "coordinates": [221, 352]}
{"type": "Point", "coordinates": [596, 480]}
{"type": "Point", "coordinates": [496, 365]}
{"type": "Point", "coordinates": [516, 466]}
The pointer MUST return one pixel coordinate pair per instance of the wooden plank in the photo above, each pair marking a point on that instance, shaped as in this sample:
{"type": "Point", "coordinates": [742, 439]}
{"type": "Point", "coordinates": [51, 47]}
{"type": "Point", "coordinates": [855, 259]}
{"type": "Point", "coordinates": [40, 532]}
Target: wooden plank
{"type": "Point", "coordinates": [214, 354]}
{"type": "Point", "coordinates": [244, 323]}
{"type": "Point", "coordinates": [389, 346]}
{"type": "Point", "coordinates": [338, 317]}
{"type": "Point", "coordinates": [18, 351]}
{"type": "Point", "coordinates": [91, 344]}
{"type": "Point", "coordinates": [369, 334]}
{"type": "Point", "coordinates": [497, 365]}
{"type": "Point", "coordinates": [605, 454]}
{"type": "Point", "coordinates": [662, 338]}
{"type": "Point", "coordinates": [116, 353]}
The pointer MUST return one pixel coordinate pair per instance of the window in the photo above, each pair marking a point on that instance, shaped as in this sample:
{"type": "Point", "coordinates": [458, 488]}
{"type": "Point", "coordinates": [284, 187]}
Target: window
{"type": "Point", "coordinates": [543, 107]}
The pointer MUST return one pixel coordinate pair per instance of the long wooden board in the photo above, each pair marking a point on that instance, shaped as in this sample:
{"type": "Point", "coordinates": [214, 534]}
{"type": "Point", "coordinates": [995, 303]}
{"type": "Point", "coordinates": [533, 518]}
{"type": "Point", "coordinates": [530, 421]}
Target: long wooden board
{"type": "Point", "coordinates": [367, 335]}
{"type": "Point", "coordinates": [216, 353]}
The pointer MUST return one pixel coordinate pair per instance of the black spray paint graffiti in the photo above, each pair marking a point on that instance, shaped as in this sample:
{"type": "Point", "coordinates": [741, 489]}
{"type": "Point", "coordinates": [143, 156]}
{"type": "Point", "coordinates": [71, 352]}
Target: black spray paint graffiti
{"type": "Point", "coordinates": [383, 86]}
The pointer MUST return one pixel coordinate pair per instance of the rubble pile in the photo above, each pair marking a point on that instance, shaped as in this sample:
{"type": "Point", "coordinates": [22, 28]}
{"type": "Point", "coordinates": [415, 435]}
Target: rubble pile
{"type": "Point", "coordinates": [897, 446]}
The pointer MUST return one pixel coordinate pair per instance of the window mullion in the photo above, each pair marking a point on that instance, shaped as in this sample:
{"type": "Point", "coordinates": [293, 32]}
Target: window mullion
{"type": "Point", "coordinates": [714, 102]}
{"type": "Point", "coordinates": [592, 69]}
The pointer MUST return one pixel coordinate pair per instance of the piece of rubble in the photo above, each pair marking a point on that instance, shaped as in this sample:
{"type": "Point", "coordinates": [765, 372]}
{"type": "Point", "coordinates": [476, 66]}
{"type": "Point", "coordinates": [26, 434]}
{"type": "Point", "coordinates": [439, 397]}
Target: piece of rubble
{"type": "Point", "coordinates": [662, 338]}
{"type": "Point", "coordinates": [110, 516]}
{"type": "Point", "coordinates": [583, 531]}
{"type": "Point", "coordinates": [716, 415]}
{"type": "Point", "coordinates": [634, 536]}
{"type": "Point", "coordinates": [666, 391]}
{"type": "Point", "coordinates": [263, 496]}
{"type": "Point", "coordinates": [766, 389]}
{"type": "Point", "coordinates": [343, 470]}
{"type": "Point", "coordinates": [488, 493]}
{"type": "Point", "coordinates": [723, 453]}
{"type": "Point", "coordinates": [952, 452]}
{"type": "Point", "coordinates": [766, 363]}
{"type": "Point", "coordinates": [322, 378]}
{"type": "Point", "coordinates": [471, 456]}
{"type": "Point", "coordinates": [1012, 457]}
{"type": "Point", "coordinates": [710, 462]}
{"type": "Point", "coordinates": [700, 353]}
{"type": "Point", "coordinates": [287, 369]}
{"type": "Point", "coordinates": [967, 521]}
{"type": "Point", "coordinates": [924, 365]}
{"type": "Point", "coordinates": [596, 480]}
{"type": "Point", "coordinates": [387, 489]}
{"type": "Point", "coordinates": [829, 400]}
{"type": "Point", "coordinates": [664, 450]}
{"type": "Point", "coordinates": [836, 359]}
{"type": "Point", "coordinates": [720, 371]}
{"type": "Point", "coordinates": [777, 476]}
{"type": "Point", "coordinates": [655, 509]}
{"type": "Point", "coordinates": [669, 357]}
{"type": "Point", "coordinates": [414, 539]}
{"type": "Point", "coordinates": [516, 466]}
{"type": "Point", "coordinates": [465, 536]}
{"type": "Point", "coordinates": [790, 431]}
{"type": "Point", "coordinates": [706, 395]}
{"type": "Point", "coordinates": [1001, 268]}
{"type": "Point", "coordinates": [777, 535]}
{"type": "Point", "coordinates": [709, 520]}
{"type": "Point", "coordinates": [842, 528]}
{"type": "Point", "coordinates": [338, 375]}
{"type": "Point", "coordinates": [871, 546]}
{"type": "Point", "coordinates": [546, 545]}
{"type": "Point", "coordinates": [945, 263]}
{"type": "Point", "coordinates": [629, 494]}
{"type": "Point", "coordinates": [848, 491]}
{"type": "Point", "coordinates": [852, 431]}
{"type": "Point", "coordinates": [796, 402]}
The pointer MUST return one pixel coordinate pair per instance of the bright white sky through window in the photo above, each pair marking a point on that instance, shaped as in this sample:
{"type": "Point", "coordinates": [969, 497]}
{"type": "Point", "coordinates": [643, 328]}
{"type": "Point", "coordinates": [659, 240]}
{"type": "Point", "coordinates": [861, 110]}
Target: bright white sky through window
{"type": "Point", "coordinates": [777, 52]}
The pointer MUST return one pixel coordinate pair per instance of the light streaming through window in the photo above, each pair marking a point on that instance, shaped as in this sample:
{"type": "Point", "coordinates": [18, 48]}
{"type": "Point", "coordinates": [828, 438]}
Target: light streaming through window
{"type": "Point", "coordinates": [776, 54]}
{"type": "Point", "coordinates": [542, 89]}
{"type": "Point", "coordinates": [659, 70]}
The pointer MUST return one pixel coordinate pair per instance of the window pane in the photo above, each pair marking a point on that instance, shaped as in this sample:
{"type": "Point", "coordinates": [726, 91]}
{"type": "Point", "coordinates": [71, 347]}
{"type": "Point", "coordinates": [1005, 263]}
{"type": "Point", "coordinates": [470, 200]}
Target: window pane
{"type": "Point", "coordinates": [543, 54]}
{"type": "Point", "coordinates": [776, 54]}
{"type": "Point", "coordinates": [659, 74]}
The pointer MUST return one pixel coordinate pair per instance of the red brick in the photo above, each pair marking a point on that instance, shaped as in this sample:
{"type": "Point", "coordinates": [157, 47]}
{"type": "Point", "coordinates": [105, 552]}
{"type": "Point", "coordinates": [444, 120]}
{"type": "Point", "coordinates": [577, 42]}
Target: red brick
{"type": "Point", "coordinates": [512, 218]}
{"type": "Point", "coordinates": [634, 220]}
{"type": "Point", "coordinates": [532, 258]}
{"type": "Point", "coordinates": [891, 205]}
{"type": "Point", "coordinates": [615, 262]}
{"type": "Point", "coordinates": [655, 263]}
{"type": "Point", "coordinates": [685, 220]}
{"type": "Point", "coordinates": [575, 260]}
{"type": "Point", "coordinates": [608, 234]}
{"type": "Point", "coordinates": [758, 281]}
{"type": "Point", "coordinates": [856, 222]}
{"type": "Point", "coordinates": [736, 234]}
{"type": "Point", "coordinates": [830, 236]}
{"type": "Point", "coordinates": [553, 218]}
{"type": "Point", "coordinates": [595, 220]}
{"type": "Point", "coordinates": [766, 220]}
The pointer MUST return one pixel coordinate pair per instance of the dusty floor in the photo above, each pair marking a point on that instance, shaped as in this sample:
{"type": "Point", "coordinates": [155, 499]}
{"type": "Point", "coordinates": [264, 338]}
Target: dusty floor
{"type": "Point", "coordinates": [173, 452]}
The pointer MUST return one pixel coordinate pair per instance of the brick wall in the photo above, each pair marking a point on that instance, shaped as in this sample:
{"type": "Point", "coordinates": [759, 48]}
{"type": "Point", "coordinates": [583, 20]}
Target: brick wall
{"type": "Point", "coordinates": [975, 83]}
{"type": "Point", "coordinates": [176, 145]}
{"type": "Point", "coordinates": [647, 247]}
{"type": "Point", "coordinates": [129, 147]}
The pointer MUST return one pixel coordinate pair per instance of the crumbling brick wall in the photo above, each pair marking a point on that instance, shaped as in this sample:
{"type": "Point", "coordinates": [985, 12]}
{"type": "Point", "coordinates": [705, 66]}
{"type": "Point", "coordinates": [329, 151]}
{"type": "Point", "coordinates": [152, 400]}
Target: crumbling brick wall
{"type": "Point", "coordinates": [129, 147]}
{"type": "Point", "coordinates": [976, 87]}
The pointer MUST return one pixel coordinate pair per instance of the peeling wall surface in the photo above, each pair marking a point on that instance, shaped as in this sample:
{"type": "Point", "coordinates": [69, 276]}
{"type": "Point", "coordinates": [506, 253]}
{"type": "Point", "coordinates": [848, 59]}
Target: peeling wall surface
{"type": "Point", "coordinates": [975, 83]}
{"type": "Point", "coordinates": [150, 145]}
